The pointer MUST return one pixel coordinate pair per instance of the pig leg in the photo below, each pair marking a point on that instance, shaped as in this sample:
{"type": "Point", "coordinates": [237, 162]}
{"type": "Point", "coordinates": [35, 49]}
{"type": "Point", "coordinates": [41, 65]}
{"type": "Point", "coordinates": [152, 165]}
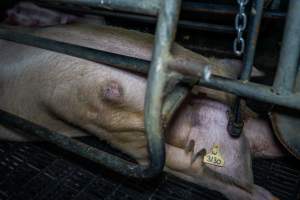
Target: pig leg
{"type": "Point", "coordinates": [262, 140]}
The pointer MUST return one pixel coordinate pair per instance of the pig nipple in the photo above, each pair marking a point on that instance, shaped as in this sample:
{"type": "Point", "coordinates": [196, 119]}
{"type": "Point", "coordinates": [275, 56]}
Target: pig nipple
{"type": "Point", "coordinates": [112, 92]}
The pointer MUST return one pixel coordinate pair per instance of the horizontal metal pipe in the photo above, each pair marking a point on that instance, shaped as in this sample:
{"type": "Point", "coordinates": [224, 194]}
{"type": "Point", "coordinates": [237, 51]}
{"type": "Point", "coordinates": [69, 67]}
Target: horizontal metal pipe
{"type": "Point", "coordinates": [290, 51]}
{"type": "Point", "coordinates": [116, 60]}
{"type": "Point", "coordinates": [201, 26]}
{"type": "Point", "coordinates": [252, 90]}
{"type": "Point", "coordinates": [254, 26]}
{"type": "Point", "coordinates": [112, 59]}
{"type": "Point", "coordinates": [136, 6]}
{"type": "Point", "coordinates": [146, 7]}
{"type": "Point", "coordinates": [187, 24]}
{"type": "Point", "coordinates": [113, 162]}
{"type": "Point", "coordinates": [134, 64]}
{"type": "Point", "coordinates": [101, 157]}
{"type": "Point", "coordinates": [223, 9]}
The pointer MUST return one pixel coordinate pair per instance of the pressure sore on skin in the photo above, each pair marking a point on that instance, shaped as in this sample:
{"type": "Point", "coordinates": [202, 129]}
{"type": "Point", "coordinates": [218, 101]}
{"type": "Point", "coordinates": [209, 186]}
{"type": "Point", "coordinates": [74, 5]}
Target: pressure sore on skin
{"type": "Point", "coordinates": [112, 92]}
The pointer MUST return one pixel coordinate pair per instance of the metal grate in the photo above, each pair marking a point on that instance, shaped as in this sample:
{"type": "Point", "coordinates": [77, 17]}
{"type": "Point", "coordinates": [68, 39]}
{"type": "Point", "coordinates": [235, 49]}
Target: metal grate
{"type": "Point", "coordinates": [43, 171]}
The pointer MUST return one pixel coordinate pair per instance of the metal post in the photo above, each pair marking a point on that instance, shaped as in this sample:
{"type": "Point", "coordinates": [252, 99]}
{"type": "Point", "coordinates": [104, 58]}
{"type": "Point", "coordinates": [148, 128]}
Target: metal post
{"type": "Point", "coordinates": [235, 124]}
{"type": "Point", "coordinates": [290, 51]}
{"type": "Point", "coordinates": [254, 25]}
{"type": "Point", "coordinates": [157, 80]}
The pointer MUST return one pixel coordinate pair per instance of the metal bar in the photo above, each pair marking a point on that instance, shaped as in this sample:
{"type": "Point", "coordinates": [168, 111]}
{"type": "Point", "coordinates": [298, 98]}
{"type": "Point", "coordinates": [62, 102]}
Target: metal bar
{"type": "Point", "coordinates": [135, 6]}
{"type": "Point", "coordinates": [209, 8]}
{"type": "Point", "coordinates": [252, 90]}
{"type": "Point", "coordinates": [108, 58]}
{"type": "Point", "coordinates": [116, 60]}
{"type": "Point", "coordinates": [172, 103]}
{"type": "Point", "coordinates": [157, 80]}
{"type": "Point", "coordinates": [120, 61]}
{"type": "Point", "coordinates": [146, 7]}
{"type": "Point", "coordinates": [223, 9]}
{"type": "Point", "coordinates": [290, 51]}
{"type": "Point", "coordinates": [201, 26]}
{"type": "Point", "coordinates": [123, 62]}
{"type": "Point", "coordinates": [113, 162]}
{"type": "Point", "coordinates": [235, 125]}
{"type": "Point", "coordinates": [254, 26]}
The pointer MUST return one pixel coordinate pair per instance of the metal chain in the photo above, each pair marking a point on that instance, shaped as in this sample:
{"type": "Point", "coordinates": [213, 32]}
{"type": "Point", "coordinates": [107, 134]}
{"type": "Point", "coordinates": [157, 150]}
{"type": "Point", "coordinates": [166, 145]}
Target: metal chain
{"type": "Point", "coordinates": [240, 26]}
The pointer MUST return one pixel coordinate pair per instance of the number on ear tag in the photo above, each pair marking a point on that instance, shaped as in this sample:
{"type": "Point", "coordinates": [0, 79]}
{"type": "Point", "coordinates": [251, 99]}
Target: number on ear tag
{"type": "Point", "coordinates": [214, 157]}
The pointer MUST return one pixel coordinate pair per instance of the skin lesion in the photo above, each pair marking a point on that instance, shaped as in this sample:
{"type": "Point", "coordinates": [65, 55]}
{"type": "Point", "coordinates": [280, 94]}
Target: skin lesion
{"type": "Point", "coordinates": [112, 92]}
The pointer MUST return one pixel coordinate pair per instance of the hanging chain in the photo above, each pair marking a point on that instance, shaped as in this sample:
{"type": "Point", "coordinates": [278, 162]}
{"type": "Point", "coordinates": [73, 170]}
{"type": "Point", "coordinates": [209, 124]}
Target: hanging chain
{"type": "Point", "coordinates": [240, 26]}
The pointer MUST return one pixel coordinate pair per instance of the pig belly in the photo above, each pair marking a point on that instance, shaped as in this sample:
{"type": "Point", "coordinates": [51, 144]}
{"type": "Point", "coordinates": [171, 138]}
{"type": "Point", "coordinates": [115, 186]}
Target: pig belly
{"type": "Point", "coordinates": [78, 97]}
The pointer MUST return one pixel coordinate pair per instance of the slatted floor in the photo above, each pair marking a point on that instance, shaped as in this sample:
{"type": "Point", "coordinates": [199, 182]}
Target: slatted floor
{"type": "Point", "coordinates": [43, 171]}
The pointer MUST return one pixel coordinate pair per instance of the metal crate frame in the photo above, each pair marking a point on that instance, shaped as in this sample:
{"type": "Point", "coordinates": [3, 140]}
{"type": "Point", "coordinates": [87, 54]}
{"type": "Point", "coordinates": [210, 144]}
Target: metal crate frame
{"type": "Point", "coordinates": [156, 111]}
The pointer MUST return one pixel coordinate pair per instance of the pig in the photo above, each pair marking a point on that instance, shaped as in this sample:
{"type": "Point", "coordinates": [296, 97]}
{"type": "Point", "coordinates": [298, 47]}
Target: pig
{"type": "Point", "coordinates": [77, 97]}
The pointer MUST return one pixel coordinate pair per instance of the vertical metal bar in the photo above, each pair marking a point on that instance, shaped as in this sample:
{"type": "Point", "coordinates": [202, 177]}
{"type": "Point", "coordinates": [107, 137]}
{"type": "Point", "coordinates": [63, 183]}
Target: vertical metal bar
{"type": "Point", "coordinates": [290, 50]}
{"type": "Point", "coordinates": [235, 124]}
{"type": "Point", "coordinates": [254, 25]}
{"type": "Point", "coordinates": [157, 79]}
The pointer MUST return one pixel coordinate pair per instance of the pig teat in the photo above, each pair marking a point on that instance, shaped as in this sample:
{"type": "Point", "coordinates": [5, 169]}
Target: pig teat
{"type": "Point", "coordinates": [112, 92]}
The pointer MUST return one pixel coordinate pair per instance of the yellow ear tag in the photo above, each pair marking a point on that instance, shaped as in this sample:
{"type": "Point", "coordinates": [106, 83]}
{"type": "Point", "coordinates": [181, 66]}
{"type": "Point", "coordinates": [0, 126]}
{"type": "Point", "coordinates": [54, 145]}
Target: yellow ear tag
{"type": "Point", "coordinates": [214, 158]}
